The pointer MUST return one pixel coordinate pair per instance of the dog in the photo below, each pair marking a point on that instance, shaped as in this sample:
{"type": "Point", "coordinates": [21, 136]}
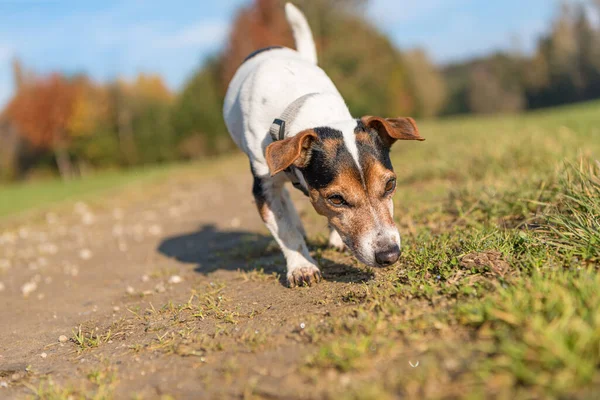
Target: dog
{"type": "Point", "coordinates": [286, 114]}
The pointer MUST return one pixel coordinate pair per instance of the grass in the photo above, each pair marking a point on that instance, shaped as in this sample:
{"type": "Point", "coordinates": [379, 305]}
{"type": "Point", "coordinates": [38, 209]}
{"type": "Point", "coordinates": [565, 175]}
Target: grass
{"type": "Point", "coordinates": [100, 385]}
{"type": "Point", "coordinates": [27, 196]}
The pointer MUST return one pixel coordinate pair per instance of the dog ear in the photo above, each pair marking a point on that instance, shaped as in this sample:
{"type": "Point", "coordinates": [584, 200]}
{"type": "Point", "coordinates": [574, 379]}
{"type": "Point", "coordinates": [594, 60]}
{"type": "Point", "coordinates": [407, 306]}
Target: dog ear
{"type": "Point", "coordinates": [295, 150]}
{"type": "Point", "coordinates": [392, 129]}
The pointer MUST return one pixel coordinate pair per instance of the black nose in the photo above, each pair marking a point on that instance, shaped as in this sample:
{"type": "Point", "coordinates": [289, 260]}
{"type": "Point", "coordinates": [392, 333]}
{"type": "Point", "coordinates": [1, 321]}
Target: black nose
{"type": "Point", "coordinates": [388, 256]}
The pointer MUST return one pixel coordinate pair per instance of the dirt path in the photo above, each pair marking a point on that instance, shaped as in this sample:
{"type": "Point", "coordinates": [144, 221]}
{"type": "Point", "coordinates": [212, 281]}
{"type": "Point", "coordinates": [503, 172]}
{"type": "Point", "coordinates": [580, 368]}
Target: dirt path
{"type": "Point", "coordinates": [159, 291]}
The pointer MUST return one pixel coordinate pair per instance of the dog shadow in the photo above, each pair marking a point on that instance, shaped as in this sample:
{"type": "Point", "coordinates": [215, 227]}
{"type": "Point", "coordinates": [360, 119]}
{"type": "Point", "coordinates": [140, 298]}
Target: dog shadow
{"type": "Point", "coordinates": [211, 249]}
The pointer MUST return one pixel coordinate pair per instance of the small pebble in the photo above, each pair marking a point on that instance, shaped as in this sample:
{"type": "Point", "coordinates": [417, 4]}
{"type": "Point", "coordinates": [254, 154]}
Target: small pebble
{"type": "Point", "coordinates": [88, 218]}
{"type": "Point", "coordinates": [3, 384]}
{"type": "Point", "coordinates": [155, 230]}
{"type": "Point", "coordinates": [62, 339]}
{"type": "Point", "coordinates": [145, 278]}
{"type": "Point", "coordinates": [44, 355]}
{"type": "Point", "coordinates": [130, 290]}
{"type": "Point", "coordinates": [28, 288]}
{"type": "Point", "coordinates": [160, 288]}
{"type": "Point", "coordinates": [85, 254]}
{"type": "Point", "coordinates": [175, 279]}
{"type": "Point", "coordinates": [116, 308]}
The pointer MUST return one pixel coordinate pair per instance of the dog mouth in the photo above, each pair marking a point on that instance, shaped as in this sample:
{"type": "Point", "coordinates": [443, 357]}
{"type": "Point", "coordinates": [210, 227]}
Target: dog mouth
{"type": "Point", "coordinates": [368, 260]}
{"type": "Point", "coordinates": [375, 258]}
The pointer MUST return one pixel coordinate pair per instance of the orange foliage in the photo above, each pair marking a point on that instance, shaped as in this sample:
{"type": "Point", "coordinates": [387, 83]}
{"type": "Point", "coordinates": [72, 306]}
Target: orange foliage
{"type": "Point", "coordinates": [148, 87]}
{"type": "Point", "coordinates": [90, 107]}
{"type": "Point", "coordinates": [41, 110]}
{"type": "Point", "coordinates": [260, 25]}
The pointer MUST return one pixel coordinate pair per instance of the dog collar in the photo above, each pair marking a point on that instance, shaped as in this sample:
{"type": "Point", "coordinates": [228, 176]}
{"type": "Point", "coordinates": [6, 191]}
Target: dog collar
{"type": "Point", "coordinates": [278, 132]}
{"type": "Point", "coordinates": [279, 126]}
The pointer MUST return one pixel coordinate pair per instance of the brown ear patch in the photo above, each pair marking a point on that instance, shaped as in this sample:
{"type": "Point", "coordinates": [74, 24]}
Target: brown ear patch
{"type": "Point", "coordinates": [282, 154]}
{"type": "Point", "coordinates": [392, 129]}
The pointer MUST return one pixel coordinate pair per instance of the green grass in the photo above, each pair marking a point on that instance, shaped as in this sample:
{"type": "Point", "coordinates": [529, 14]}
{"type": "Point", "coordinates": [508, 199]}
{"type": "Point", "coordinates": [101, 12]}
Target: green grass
{"type": "Point", "coordinates": [30, 196]}
{"type": "Point", "coordinates": [27, 196]}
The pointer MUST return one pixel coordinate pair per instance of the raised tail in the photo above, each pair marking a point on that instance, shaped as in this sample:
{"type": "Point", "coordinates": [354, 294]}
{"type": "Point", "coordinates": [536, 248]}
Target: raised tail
{"type": "Point", "coordinates": [305, 43]}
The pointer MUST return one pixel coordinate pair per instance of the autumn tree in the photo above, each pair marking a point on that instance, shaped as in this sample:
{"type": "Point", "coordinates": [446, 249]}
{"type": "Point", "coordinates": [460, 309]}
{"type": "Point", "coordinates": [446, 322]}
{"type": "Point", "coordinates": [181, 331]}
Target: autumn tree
{"type": "Point", "coordinates": [143, 118]}
{"type": "Point", "coordinates": [364, 64]}
{"type": "Point", "coordinates": [41, 111]}
{"type": "Point", "coordinates": [259, 25]}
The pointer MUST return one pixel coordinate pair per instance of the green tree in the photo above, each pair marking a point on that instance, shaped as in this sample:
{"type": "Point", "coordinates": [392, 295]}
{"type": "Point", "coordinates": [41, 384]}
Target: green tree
{"type": "Point", "coordinates": [489, 93]}
{"type": "Point", "coordinates": [197, 114]}
{"type": "Point", "coordinates": [427, 84]}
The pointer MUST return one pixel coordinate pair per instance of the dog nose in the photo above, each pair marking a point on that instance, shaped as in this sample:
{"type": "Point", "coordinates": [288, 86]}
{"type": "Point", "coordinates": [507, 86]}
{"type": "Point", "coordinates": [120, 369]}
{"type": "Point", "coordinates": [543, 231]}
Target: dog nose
{"type": "Point", "coordinates": [388, 256]}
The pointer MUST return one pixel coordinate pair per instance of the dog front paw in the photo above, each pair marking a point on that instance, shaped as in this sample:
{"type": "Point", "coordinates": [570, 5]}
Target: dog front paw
{"type": "Point", "coordinates": [304, 275]}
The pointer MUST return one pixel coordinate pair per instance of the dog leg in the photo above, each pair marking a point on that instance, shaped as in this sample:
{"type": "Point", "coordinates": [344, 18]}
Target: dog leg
{"type": "Point", "coordinates": [289, 205]}
{"type": "Point", "coordinates": [270, 201]}
{"type": "Point", "coordinates": [335, 240]}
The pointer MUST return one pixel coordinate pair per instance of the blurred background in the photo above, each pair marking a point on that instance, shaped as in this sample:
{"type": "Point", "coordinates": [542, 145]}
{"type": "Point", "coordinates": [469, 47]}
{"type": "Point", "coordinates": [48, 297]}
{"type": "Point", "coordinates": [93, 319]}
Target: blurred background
{"type": "Point", "coordinates": [88, 86]}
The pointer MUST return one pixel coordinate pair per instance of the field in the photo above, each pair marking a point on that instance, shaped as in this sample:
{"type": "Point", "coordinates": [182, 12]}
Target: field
{"type": "Point", "coordinates": [172, 288]}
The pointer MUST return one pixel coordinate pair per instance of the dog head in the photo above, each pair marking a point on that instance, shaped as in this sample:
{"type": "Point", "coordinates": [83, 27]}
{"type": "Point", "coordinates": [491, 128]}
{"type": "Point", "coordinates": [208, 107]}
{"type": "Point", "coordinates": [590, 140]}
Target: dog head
{"type": "Point", "coordinates": [351, 180]}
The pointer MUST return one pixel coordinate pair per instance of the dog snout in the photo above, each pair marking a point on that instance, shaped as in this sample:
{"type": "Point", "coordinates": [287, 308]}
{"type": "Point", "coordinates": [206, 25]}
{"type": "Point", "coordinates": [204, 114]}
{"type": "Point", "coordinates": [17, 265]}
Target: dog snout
{"type": "Point", "coordinates": [387, 256]}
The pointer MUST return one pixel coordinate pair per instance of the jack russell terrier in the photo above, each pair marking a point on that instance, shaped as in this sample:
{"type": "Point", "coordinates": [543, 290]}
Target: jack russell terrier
{"type": "Point", "coordinates": [286, 114]}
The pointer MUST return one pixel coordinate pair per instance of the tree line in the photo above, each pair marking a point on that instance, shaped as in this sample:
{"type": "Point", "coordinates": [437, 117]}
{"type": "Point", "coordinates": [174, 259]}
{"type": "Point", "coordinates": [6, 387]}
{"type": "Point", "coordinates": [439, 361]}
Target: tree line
{"type": "Point", "coordinates": [565, 68]}
{"type": "Point", "coordinates": [71, 124]}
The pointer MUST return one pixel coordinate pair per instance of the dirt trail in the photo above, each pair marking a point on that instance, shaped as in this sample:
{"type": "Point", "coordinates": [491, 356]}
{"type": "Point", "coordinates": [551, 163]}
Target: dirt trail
{"type": "Point", "coordinates": [109, 267]}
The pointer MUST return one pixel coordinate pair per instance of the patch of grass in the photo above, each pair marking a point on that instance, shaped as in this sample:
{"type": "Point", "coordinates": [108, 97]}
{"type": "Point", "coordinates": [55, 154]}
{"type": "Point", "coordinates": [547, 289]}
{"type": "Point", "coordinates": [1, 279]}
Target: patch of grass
{"type": "Point", "coordinates": [100, 385]}
{"type": "Point", "coordinates": [544, 330]}
{"type": "Point", "coordinates": [211, 304]}
{"type": "Point", "coordinates": [344, 355]}
{"type": "Point", "coordinates": [257, 275]}
{"type": "Point", "coordinates": [254, 339]}
{"type": "Point", "coordinates": [47, 389]}
{"type": "Point", "coordinates": [573, 222]}
{"type": "Point", "coordinates": [88, 339]}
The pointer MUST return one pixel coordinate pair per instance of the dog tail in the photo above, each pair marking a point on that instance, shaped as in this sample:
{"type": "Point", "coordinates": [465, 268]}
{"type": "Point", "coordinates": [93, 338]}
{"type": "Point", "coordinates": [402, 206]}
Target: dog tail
{"type": "Point", "coordinates": [305, 43]}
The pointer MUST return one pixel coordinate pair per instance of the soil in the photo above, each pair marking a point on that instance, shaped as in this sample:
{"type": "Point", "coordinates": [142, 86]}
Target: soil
{"type": "Point", "coordinates": [176, 289]}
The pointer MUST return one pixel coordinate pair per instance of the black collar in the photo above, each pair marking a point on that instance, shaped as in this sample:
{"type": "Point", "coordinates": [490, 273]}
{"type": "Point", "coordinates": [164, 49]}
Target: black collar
{"type": "Point", "coordinates": [289, 171]}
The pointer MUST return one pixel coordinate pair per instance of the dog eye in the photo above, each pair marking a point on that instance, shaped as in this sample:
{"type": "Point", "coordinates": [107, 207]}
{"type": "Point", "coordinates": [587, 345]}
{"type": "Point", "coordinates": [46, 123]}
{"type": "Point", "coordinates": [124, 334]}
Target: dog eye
{"type": "Point", "coordinates": [337, 200]}
{"type": "Point", "coordinates": [390, 186]}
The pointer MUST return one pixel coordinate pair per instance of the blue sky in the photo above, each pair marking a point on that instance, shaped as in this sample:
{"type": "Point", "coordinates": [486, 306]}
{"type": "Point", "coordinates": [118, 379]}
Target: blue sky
{"type": "Point", "coordinates": [122, 38]}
